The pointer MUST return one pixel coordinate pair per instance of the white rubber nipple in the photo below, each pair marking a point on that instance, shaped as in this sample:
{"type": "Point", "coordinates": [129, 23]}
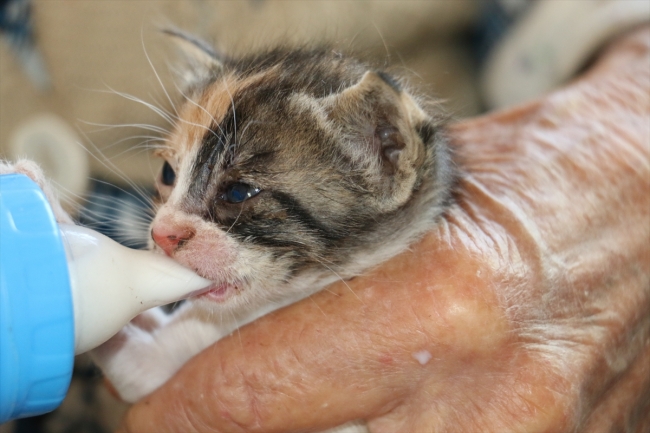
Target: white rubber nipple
{"type": "Point", "coordinates": [111, 284]}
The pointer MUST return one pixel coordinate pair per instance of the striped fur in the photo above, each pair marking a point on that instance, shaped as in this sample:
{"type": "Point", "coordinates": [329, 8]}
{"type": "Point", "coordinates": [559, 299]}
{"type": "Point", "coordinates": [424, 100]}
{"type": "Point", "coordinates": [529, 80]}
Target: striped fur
{"type": "Point", "coordinates": [306, 128]}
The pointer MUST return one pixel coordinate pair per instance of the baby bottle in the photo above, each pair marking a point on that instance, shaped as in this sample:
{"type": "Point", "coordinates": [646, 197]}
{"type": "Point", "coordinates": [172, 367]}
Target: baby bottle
{"type": "Point", "coordinates": [64, 290]}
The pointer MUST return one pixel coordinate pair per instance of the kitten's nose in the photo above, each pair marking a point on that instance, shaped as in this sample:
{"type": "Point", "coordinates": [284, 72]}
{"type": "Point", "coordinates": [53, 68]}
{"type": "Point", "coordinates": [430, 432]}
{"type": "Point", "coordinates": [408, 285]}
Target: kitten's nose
{"type": "Point", "coordinates": [170, 237]}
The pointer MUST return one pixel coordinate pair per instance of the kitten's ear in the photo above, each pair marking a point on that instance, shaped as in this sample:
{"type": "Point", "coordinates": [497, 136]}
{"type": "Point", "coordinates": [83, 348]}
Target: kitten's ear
{"type": "Point", "coordinates": [201, 61]}
{"type": "Point", "coordinates": [379, 119]}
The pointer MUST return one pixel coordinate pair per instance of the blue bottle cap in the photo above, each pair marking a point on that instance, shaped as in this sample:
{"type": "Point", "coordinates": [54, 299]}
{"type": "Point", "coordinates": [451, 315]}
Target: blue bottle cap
{"type": "Point", "coordinates": [36, 312]}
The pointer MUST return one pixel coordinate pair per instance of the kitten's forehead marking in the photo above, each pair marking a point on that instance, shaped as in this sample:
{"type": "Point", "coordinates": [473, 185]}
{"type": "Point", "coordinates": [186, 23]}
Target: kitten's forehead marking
{"type": "Point", "coordinates": [199, 117]}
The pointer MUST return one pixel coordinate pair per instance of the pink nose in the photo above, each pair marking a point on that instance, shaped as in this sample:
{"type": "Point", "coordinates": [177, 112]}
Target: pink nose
{"type": "Point", "coordinates": [169, 237]}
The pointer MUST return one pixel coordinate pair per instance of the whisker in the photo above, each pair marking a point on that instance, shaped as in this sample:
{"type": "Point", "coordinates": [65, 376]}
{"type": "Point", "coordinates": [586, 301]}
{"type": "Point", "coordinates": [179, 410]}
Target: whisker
{"type": "Point", "coordinates": [236, 324]}
{"type": "Point", "coordinates": [241, 137]}
{"type": "Point", "coordinates": [236, 219]}
{"type": "Point", "coordinates": [146, 139]}
{"type": "Point", "coordinates": [110, 166]}
{"type": "Point", "coordinates": [142, 196]}
{"type": "Point", "coordinates": [187, 122]}
{"type": "Point", "coordinates": [107, 127]}
{"type": "Point", "coordinates": [191, 101]}
{"type": "Point", "coordinates": [144, 48]}
{"type": "Point", "coordinates": [168, 117]}
{"type": "Point", "coordinates": [381, 36]}
{"type": "Point", "coordinates": [123, 220]}
{"type": "Point", "coordinates": [340, 278]}
{"type": "Point", "coordinates": [316, 304]}
{"type": "Point", "coordinates": [234, 113]}
{"type": "Point", "coordinates": [142, 147]}
{"type": "Point", "coordinates": [101, 206]}
{"type": "Point", "coordinates": [107, 202]}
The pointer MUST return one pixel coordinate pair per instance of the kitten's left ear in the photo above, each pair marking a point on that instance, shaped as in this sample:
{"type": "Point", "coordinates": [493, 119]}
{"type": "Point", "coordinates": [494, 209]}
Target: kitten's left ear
{"type": "Point", "coordinates": [202, 61]}
{"type": "Point", "coordinates": [381, 119]}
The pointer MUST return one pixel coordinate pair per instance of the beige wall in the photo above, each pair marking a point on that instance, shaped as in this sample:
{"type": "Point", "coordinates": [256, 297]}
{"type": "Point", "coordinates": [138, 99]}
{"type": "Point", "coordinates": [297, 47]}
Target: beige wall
{"type": "Point", "coordinates": [91, 46]}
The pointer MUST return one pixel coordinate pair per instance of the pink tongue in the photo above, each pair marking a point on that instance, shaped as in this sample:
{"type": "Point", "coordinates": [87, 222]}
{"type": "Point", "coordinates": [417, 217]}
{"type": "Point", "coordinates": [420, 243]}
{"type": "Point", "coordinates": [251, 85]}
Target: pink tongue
{"type": "Point", "coordinates": [202, 291]}
{"type": "Point", "coordinates": [219, 290]}
{"type": "Point", "coordinates": [217, 293]}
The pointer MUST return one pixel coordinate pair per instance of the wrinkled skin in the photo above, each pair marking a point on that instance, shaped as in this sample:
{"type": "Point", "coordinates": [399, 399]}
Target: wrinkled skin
{"type": "Point", "coordinates": [532, 299]}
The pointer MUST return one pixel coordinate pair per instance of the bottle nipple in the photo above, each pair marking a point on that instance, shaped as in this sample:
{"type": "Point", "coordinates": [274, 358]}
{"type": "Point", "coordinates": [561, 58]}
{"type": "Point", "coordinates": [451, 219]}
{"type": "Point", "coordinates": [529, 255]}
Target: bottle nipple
{"type": "Point", "coordinates": [111, 284]}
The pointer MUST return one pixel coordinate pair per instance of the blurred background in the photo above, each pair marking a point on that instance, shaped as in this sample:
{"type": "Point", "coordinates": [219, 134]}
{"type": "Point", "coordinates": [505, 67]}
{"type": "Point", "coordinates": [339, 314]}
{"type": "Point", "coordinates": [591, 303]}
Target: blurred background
{"type": "Point", "coordinates": [69, 57]}
{"type": "Point", "coordinates": [76, 78]}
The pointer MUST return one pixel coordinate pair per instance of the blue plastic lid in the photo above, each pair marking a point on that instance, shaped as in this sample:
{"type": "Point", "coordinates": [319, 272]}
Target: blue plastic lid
{"type": "Point", "coordinates": [36, 313]}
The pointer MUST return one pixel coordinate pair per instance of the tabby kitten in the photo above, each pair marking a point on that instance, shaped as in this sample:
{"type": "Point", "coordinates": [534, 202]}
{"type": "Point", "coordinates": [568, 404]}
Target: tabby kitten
{"type": "Point", "coordinates": [287, 171]}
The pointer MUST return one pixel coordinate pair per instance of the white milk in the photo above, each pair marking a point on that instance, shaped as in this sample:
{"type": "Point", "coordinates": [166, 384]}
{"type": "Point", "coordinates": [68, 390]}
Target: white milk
{"type": "Point", "coordinates": [111, 284]}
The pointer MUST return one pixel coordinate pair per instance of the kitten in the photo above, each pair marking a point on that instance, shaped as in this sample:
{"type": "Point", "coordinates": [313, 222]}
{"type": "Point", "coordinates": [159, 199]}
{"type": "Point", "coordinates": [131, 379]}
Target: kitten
{"type": "Point", "coordinates": [286, 171]}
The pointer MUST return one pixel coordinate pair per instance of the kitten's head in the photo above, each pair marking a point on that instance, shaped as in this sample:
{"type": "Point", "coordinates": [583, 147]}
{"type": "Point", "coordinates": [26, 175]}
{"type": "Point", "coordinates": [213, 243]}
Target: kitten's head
{"type": "Point", "coordinates": [293, 166]}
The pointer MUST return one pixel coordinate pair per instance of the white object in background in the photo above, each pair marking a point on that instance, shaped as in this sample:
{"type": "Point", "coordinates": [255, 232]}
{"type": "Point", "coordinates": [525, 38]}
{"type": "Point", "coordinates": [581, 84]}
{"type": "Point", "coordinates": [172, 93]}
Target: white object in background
{"type": "Point", "coordinates": [111, 284]}
{"type": "Point", "coordinates": [50, 141]}
{"type": "Point", "coordinates": [551, 43]}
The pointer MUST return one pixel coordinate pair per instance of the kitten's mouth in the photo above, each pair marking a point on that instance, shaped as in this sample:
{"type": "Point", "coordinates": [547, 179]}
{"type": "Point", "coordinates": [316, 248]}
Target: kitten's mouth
{"type": "Point", "coordinates": [218, 292]}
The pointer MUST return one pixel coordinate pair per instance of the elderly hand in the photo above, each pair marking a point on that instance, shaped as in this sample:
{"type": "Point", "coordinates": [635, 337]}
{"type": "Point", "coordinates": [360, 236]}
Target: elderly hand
{"type": "Point", "coordinates": [528, 309]}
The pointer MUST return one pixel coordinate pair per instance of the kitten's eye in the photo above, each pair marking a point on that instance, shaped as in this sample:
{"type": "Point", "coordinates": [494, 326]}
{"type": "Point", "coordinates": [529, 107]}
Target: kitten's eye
{"type": "Point", "coordinates": [238, 192]}
{"type": "Point", "coordinates": [168, 176]}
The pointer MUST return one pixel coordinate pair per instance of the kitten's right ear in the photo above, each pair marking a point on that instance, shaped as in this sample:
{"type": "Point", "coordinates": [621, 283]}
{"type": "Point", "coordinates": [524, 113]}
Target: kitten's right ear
{"type": "Point", "coordinates": [201, 61]}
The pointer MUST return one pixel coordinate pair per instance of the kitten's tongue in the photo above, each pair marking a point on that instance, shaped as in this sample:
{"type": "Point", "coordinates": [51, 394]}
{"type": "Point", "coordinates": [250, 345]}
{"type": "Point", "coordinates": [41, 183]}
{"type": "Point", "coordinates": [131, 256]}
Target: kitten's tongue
{"type": "Point", "coordinates": [218, 293]}
{"type": "Point", "coordinates": [111, 284]}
